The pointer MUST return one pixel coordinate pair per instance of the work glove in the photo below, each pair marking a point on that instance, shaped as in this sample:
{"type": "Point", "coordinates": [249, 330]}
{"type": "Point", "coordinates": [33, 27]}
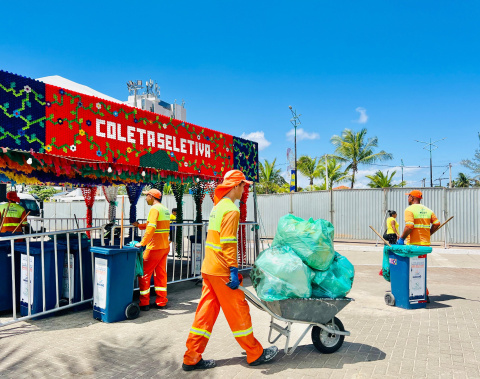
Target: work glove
{"type": "Point", "coordinates": [401, 241]}
{"type": "Point", "coordinates": [234, 280]}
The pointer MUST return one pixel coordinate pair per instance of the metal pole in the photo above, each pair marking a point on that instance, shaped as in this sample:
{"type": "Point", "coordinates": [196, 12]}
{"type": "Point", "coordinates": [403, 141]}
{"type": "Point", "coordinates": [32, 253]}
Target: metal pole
{"type": "Point", "coordinates": [255, 218]}
{"type": "Point", "coordinates": [431, 176]}
{"type": "Point", "coordinates": [295, 122]}
{"type": "Point", "coordinates": [401, 160]}
{"type": "Point", "coordinates": [295, 157]}
{"type": "Point", "coordinates": [450, 181]}
{"type": "Point", "coordinates": [326, 172]}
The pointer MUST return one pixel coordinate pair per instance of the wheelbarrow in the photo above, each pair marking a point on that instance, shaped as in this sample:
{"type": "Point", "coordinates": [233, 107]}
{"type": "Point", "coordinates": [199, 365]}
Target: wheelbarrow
{"type": "Point", "coordinates": [327, 331]}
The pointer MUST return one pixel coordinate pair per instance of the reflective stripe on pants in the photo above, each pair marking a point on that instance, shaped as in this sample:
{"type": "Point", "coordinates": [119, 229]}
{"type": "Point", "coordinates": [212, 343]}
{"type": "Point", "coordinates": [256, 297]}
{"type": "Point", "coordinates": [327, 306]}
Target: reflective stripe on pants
{"type": "Point", "coordinates": [154, 262]}
{"type": "Point", "coordinates": [216, 295]}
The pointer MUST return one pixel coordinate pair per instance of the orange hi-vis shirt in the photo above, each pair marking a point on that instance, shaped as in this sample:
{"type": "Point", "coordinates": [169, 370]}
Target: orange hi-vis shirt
{"type": "Point", "coordinates": [419, 218]}
{"type": "Point", "coordinates": [15, 215]}
{"type": "Point", "coordinates": [221, 244]}
{"type": "Point", "coordinates": [158, 228]}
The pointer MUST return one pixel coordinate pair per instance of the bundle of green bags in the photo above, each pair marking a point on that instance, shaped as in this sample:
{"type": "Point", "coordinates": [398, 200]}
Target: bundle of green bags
{"type": "Point", "coordinates": [302, 263]}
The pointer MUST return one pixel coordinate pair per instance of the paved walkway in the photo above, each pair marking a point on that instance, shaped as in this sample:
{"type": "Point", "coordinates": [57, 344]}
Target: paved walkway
{"type": "Point", "coordinates": [440, 341]}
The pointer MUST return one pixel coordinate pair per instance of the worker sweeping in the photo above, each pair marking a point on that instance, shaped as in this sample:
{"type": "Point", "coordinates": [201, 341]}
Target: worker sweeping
{"type": "Point", "coordinates": [155, 255]}
{"type": "Point", "coordinates": [420, 223]}
{"type": "Point", "coordinates": [13, 213]}
{"type": "Point", "coordinates": [221, 281]}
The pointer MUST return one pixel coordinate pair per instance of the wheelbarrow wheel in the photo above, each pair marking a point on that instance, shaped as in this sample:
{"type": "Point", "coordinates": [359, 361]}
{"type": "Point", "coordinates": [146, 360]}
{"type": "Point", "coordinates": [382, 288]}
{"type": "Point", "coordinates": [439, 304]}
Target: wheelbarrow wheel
{"type": "Point", "coordinates": [132, 311]}
{"type": "Point", "coordinates": [325, 342]}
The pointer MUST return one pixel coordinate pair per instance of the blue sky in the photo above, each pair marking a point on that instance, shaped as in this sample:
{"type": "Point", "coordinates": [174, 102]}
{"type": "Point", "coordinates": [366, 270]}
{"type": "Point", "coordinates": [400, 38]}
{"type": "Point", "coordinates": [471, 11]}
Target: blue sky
{"type": "Point", "coordinates": [412, 66]}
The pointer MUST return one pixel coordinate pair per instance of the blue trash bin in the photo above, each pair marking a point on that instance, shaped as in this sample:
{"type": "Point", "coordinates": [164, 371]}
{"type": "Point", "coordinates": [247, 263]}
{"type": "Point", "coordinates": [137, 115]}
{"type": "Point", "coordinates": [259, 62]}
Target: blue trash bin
{"type": "Point", "coordinates": [86, 272]}
{"type": "Point", "coordinates": [36, 297]}
{"type": "Point", "coordinates": [113, 284]}
{"type": "Point", "coordinates": [408, 278]}
{"type": "Point", "coordinates": [6, 273]}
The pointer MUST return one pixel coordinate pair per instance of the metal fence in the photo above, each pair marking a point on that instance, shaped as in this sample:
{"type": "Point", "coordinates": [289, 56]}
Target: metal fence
{"type": "Point", "coordinates": [352, 211]}
{"type": "Point", "coordinates": [60, 266]}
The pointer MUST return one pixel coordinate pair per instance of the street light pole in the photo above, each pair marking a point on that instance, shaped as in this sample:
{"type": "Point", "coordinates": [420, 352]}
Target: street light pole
{"type": "Point", "coordinates": [430, 146]}
{"type": "Point", "coordinates": [295, 122]}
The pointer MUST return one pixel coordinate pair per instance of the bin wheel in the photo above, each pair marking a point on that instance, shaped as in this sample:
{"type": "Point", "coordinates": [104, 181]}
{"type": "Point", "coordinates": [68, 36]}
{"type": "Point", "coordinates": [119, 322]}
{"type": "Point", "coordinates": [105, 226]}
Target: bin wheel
{"type": "Point", "coordinates": [132, 311]}
{"type": "Point", "coordinates": [389, 299]}
{"type": "Point", "coordinates": [325, 342]}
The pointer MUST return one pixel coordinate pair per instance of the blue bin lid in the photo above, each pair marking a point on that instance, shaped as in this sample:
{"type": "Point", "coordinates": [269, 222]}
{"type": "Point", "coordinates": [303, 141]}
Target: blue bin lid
{"type": "Point", "coordinates": [112, 250]}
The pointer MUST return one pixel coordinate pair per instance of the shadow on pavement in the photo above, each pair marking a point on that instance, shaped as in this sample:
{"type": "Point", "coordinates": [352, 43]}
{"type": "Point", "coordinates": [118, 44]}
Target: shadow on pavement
{"type": "Point", "coordinates": [307, 357]}
{"type": "Point", "coordinates": [183, 298]}
{"type": "Point", "coordinates": [436, 301]}
{"type": "Point", "coordinates": [110, 358]}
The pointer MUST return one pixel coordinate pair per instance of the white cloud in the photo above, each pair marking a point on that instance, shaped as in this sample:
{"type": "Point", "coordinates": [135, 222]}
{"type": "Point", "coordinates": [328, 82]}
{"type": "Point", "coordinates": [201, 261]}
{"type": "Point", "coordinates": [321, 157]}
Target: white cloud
{"type": "Point", "coordinates": [301, 135]}
{"type": "Point", "coordinates": [258, 137]}
{"type": "Point", "coordinates": [363, 118]}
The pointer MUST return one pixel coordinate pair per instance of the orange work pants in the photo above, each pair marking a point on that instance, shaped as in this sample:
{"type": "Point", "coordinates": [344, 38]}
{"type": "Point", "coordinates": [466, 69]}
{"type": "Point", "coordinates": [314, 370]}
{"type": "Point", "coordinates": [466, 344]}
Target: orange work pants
{"type": "Point", "coordinates": [154, 262]}
{"type": "Point", "coordinates": [216, 295]}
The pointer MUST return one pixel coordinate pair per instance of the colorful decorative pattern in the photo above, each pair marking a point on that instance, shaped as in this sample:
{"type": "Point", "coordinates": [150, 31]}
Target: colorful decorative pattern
{"type": "Point", "coordinates": [55, 121]}
{"type": "Point", "coordinates": [245, 154]}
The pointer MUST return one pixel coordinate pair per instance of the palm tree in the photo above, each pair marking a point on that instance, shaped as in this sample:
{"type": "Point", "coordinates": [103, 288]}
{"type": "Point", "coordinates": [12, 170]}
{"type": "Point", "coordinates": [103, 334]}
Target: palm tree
{"type": "Point", "coordinates": [462, 180]}
{"type": "Point", "coordinates": [380, 180]}
{"type": "Point", "coordinates": [270, 177]}
{"type": "Point", "coordinates": [334, 169]}
{"type": "Point", "coordinates": [351, 147]}
{"type": "Point", "coordinates": [308, 167]}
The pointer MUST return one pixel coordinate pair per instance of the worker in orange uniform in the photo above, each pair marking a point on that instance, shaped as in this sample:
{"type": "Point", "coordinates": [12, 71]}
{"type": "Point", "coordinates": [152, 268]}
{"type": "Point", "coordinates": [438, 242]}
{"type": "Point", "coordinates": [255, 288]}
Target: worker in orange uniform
{"type": "Point", "coordinates": [420, 223]}
{"type": "Point", "coordinates": [418, 219]}
{"type": "Point", "coordinates": [15, 215]}
{"type": "Point", "coordinates": [155, 255]}
{"type": "Point", "coordinates": [221, 281]}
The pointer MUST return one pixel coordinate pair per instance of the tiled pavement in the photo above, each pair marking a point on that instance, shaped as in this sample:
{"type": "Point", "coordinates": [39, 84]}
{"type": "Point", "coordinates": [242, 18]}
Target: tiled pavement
{"type": "Point", "coordinates": [440, 341]}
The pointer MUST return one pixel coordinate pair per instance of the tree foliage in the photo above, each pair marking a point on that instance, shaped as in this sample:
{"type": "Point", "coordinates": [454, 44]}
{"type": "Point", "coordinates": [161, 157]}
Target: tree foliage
{"type": "Point", "coordinates": [336, 174]}
{"type": "Point", "coordinates": [381, 180]}
{"type": "Point", "coordinates": [308, 167]}
{"type": "Point", "coordinates": [355, 149]}
{"type": "Point", "coordinates": [270, 177]}
{"type": "Point", "coordinates": [474, 163]}
{"type": "Point", "coordinates": [45, 193]}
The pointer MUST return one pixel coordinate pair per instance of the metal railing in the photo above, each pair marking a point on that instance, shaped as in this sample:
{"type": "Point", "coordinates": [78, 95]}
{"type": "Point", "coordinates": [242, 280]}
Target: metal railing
{"type": "Point", "coordinates": [185, 258]}
{"type": "Point", "coordinates": [37, 225]}
{"type": "Point", "coordinates": [56, 264]}
{"type": "Point", "coordinates": [29, 251]}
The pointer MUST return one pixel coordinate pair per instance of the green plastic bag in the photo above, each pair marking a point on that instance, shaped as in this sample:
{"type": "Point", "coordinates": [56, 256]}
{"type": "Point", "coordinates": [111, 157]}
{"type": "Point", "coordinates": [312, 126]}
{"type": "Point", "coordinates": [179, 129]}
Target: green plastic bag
{"type": "Point", "coordinates": [403, 251]}
{"type": "Point", "coordinates": [279, 274]}
{"type": "Point", "coordinates": [335, 282]}
{"type": "Point", "coordinates": [139, 259]}
{"type": "Point", "coordinates": [312, 240]}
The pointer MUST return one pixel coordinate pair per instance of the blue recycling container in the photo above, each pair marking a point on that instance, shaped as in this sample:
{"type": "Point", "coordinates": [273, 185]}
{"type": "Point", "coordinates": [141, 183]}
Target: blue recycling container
{"type": "Point", "coordinates": [6, 273]}
{"type": "Point", "coordinates": [36, 276]}
{"type": "Point", "coordinates": [86, 272]}
{"type": "Point", "coordinates": [408, 278]}
{"type": "Point", "coordinates": [113, 284]}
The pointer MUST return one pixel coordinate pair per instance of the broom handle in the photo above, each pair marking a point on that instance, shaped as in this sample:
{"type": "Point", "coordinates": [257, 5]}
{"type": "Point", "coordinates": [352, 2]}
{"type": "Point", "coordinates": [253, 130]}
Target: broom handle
{"type": "Point", "coordinates": [21, 222]}
{"type": "Point", "coordinates": [441, 226]}
{"type": "Point", "coordinates": [383, 239]}
{"type": "Point", "coordinates": [4, 214]}
{"type": "Point", "coordinates": [121, 225]}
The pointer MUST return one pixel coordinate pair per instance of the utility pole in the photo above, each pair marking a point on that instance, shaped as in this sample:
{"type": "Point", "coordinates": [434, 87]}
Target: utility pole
{"type": "Point", "coordinates": [326, 172]}
{"type": "Point", "coordinates": [430, 146]}
{"type": "Point", "coordinates": [450, 181]}
{"type": "Point", "coordinates": [401, 160]}
{"type": "Point", "coordinates": [295, 122]}
{"type": "Point", "coordinates": [440, 180]}
{"type": "Point", "coordinates": [423, 182]}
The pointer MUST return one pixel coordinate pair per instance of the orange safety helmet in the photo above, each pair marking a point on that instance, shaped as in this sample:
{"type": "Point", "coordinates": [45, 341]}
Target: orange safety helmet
{"type": "Point", "coordinates": [12, 196]}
